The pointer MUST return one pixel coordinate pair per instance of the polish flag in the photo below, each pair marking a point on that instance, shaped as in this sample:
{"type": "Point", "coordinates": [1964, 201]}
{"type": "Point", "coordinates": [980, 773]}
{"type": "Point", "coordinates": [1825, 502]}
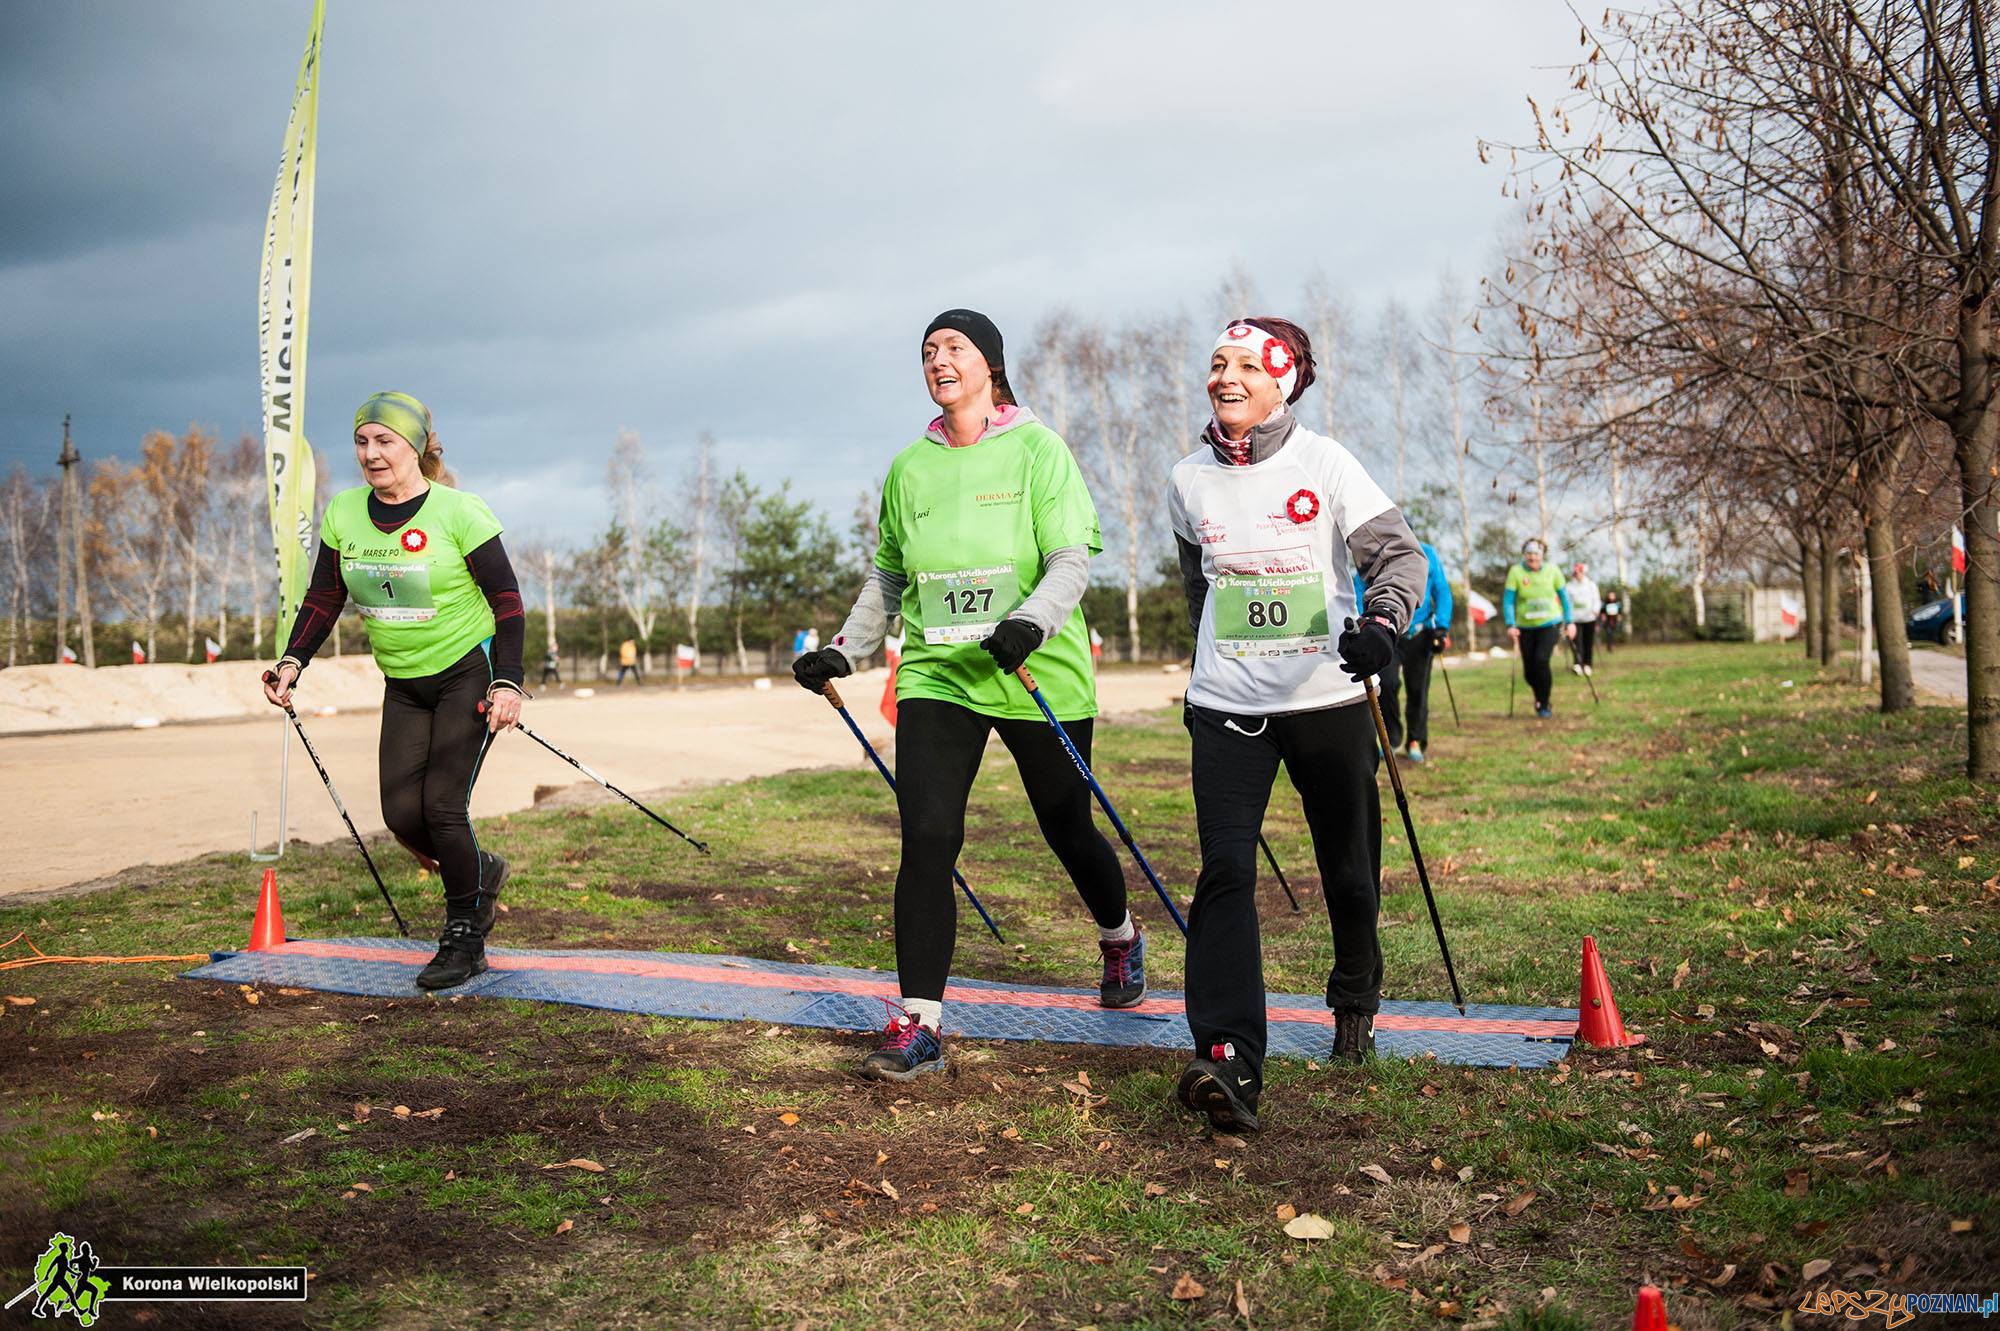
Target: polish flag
{"type": "Point", "coordinates": [893, 649]}
{"type": "Point", "coordinates": [1789, 610]}
{"type": "Point", "coordinates": [68, 656]}
{"type": "Point", "coordinates": [138, 654]}
{"type": "Point", "coordinates": [214, 650]}
{"type": "Point", "coordinates": [1482, 609]}
{"type": "Point", "coordinates": [1957, 550]}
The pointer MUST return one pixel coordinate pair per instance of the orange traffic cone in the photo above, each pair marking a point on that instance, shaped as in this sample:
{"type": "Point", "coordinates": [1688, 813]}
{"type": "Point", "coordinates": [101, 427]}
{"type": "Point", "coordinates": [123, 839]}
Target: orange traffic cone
{"type": "Point", "coordinates": [268, 929]}
{"type": "Point", "coordinates": [1651, 1312]}
{"type": "Point", "coordinates": [1598, 1021]}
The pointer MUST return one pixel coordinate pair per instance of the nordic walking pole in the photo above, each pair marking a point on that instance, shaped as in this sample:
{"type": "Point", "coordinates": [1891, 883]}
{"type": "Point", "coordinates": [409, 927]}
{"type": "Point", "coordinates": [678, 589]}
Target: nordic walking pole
{"type": "Point", "coordinates": [833, 696]}
{"type": "Point", "coordinates": [1577, 661]}
{"type": "Point", "coordinates": [1513, 672]}
{"type": "Point", "coordinates": [701, 846]}
{"type": "Point", "coordinates": [1409, 827]}
{"type": "Point", "coordinates": [271, 677]}
{"type": "Point", "coordinates": [1103, 800]}
{"type": "Point", "coordinates": [1449, 694]}
{"type": "Point", "coordinates": [1280, 872]}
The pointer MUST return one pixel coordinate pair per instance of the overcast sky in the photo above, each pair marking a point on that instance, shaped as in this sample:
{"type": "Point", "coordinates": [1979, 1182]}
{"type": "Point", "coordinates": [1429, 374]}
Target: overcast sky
{"type": "Point", "coordinates": [551, 221]}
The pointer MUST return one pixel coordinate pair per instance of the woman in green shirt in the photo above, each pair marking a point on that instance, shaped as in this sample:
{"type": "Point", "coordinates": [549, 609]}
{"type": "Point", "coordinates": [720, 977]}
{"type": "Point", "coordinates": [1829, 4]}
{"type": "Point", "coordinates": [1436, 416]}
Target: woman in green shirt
{"type": "Point", "coordinates": [987, 533]}
{"type": "Point", "coordinates": [424, 564]}
{"type": "Point", "coordinates": [1536, 608]}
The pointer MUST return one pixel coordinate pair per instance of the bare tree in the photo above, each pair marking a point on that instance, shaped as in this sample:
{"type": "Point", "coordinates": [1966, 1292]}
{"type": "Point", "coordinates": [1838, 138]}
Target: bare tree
{"type": "Point", "coordinates": [704, 500]}
{"type": "Point", "coordinates": [26, 512]}
{"type": "Point", "coordinates": [628, 478]}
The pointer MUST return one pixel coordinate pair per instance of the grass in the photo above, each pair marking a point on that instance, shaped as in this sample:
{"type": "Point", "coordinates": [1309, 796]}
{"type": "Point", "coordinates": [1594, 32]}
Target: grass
{"type": "Point", "coordinates": [1792, 894]}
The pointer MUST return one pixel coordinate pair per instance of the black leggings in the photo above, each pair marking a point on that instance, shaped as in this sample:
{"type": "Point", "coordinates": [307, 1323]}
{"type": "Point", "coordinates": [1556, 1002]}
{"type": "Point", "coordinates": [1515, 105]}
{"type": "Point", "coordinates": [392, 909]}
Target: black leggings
{"type": "Point", "coordinates": [938, 748]}
{"type": "Point", "coordinates": [1586, 641]}
{"type": "Point", "coordinates": [1330, 754]}
{"type": "Point", "coordinates": [433, 740]}
{"type": "Point", "coordinates": [1537, 645]}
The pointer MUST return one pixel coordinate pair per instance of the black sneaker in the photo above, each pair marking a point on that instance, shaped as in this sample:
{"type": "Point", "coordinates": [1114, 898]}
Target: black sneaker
{"type": "Point", "coordinates": [1124, 982]}
{"type": "Point", "coordinates": [492, 877]}
{"type": "Point", "coordinates": [461, 955]}
{"type": "Point", "coordinates": [1353, 1035]}
{"type": "Point", "coordinates": [908, 1050]}
{"type": "Point", "coordinates": [1223, 1087]}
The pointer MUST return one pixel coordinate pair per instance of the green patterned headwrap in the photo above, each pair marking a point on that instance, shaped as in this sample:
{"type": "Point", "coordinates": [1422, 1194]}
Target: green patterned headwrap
{"type": "Point", "coordinates": [401, 413]}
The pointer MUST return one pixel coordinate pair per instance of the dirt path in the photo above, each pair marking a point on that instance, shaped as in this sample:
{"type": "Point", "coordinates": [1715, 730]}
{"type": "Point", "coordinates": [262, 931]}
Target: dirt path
{"type": "Point", "coordinates": [84, 806]}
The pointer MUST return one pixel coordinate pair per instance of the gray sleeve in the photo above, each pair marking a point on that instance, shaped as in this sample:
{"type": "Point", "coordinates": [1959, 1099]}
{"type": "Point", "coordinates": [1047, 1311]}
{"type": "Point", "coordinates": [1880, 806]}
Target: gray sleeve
{"type": "Point", "coordinates": [1065, 574]}
{"type": "Point", "coordinates": [1194, 582]}
{"type": "Point", "coordinates": [1392, 564]}
{"type": "Point", "coordinates": [881, 600]}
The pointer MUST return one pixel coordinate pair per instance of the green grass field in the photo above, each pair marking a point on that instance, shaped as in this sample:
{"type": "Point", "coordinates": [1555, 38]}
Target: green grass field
{"type": "Point", "coordinates": [1791, 891]}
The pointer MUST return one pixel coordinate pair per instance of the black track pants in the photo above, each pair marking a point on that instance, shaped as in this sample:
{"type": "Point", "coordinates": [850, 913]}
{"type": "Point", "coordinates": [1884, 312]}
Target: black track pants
{"type": "Point", "coordinates": [1537, 645]}
{"type": "Point", "coordinates": [433, 740]}
{"type": "Point", "coordinates": [1417, 657]}
{"type": "Point", "coordinates": [1586, 641]}
{"type": "Point", "coordinates": [1330, 755]}
{"type": "Point", "coordinates": [938, 748]}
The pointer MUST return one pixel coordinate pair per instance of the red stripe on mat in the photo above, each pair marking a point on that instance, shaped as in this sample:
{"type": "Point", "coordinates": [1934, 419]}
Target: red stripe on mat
{"type": "Point", "coordinates": [721, 972]}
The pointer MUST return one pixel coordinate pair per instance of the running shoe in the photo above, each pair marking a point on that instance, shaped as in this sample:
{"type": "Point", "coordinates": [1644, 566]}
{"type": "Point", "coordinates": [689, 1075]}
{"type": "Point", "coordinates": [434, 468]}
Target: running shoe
{"type": "Point", "coordinates": [1124, 982]}
{"type": "Point", "coordinates": [1353, 1035]}
{"type": "Point", "coordinates": [1223, 1087]}
{"type": "Point", "coordinates": [461, 955]}
{"type": "Point", "coordinates": [908, 1050]}
{"type": "Point", "coordinates": [1575, 669]}
{"type": "Point", "coordinates": [492, 877]}
{"type": "Point", "coordinates": [1416, 753]}
{"type": "Point", "coordinates": [1588, 671]}
{"type": "Point", "coordinates": [1544, 711]}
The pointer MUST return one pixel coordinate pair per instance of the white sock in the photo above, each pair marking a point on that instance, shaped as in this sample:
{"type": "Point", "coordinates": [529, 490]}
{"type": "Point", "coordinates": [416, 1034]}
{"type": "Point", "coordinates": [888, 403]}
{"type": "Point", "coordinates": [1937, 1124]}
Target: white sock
{"type": "Point", "coordinates": [928, 1011]}
{"type": "Point", "coordinates": [1124, 933]}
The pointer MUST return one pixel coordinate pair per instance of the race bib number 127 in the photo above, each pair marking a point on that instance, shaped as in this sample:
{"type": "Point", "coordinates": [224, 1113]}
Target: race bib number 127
{"type": "Point", "coordinates": [965, 605]}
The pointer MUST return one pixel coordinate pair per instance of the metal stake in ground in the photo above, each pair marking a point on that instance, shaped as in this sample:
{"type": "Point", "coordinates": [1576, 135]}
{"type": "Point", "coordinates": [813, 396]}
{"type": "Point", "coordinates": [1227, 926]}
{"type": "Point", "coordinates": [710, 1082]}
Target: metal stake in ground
{"type": "Point", "coordinates": [833, 696]}
{"type": "Point", "coordinates": [1513, 673]}
{"type": "Point", "coordinates": [1280, 872]}
{"type": "Point", "coordinates": [1103, 800]}
{"type": "Point", "coordinates": [701, 846]}
{"type": "Point", "coordinates": [1416, 852]}
{"type": "Point", "coordinates": [271, 677]}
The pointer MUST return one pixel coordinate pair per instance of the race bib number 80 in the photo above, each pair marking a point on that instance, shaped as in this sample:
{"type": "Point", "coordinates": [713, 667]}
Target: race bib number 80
{"type": "Point", "coordinates": [1270, 614]}
{"type": "Point", "coordinates": [390, 591]}
{"type": "Point", "coordinates": [965, 605]}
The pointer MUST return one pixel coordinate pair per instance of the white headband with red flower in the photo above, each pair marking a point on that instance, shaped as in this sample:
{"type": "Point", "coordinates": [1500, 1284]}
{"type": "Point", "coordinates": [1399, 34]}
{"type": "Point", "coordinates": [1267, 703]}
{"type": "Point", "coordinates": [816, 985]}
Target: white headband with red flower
{"type": "Point", "coordinates": [1277, 357]}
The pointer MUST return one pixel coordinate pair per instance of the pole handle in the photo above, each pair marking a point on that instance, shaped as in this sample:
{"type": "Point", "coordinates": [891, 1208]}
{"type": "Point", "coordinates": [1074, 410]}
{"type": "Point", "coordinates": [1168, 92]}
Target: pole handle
{"type": "Point", "coordinates": [271, 677]}
{"type": "Point", "coordinates": [832, 695]}
{"type": "Point", "coordinates": [1027, 680]}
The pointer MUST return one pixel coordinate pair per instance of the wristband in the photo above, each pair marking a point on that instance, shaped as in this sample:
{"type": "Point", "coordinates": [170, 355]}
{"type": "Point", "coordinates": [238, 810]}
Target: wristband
{"type": "Point", "coordinates": [507, 684]}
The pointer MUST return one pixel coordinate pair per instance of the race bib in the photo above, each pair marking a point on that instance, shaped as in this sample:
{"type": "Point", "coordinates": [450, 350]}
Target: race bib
{"type": "Point", "coordinates": [1270, 614]}
{"type": "Point", "coordinates": [390, 591]}
{"type": "Point", "coordinates": [965, 605]}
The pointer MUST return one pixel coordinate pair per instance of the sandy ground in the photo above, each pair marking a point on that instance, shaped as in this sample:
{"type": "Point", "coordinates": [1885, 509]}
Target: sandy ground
{"type": "Point", "coordinates": [89, 806]}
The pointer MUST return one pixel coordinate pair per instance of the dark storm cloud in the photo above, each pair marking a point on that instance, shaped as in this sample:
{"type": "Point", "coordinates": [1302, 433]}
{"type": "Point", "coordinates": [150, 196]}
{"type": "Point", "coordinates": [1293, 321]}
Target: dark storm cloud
{"type": "Point", "coordinates": [553, 221]}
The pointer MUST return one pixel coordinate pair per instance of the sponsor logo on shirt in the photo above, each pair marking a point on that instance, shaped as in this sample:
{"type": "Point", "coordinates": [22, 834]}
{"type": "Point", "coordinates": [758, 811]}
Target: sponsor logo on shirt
{"type": "Point", "coordinates": [1210, 532]}
{"type": "Point", "coordinates": [995, 498]}
{"type": "Point", "coordinates": [1293, 559]}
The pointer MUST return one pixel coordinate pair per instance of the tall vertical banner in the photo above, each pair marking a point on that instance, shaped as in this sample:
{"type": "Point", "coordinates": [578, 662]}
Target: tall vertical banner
{"type": "Point", "coordinates": [284, 299]}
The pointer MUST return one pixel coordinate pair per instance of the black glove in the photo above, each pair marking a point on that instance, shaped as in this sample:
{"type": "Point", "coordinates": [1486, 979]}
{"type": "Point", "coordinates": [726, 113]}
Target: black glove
{"type": "Point", "coordinates": [1010, 643]}
{"type": "Point", "coordinates": [1187, 715]}
{"type": "Point", "coordinates": [1366, 648]}
{"type": "Point", "coordinates": [815, 670]}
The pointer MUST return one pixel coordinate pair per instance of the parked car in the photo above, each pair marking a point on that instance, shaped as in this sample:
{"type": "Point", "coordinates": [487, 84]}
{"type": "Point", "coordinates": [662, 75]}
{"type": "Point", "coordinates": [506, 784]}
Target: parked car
{"type": "Point", "coordinates": [1934, 622]}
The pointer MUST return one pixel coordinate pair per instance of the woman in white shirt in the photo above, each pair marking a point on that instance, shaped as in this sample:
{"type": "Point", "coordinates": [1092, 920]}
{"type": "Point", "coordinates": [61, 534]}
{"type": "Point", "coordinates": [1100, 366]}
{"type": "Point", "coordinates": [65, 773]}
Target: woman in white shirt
{"type": "Point", "coordinates": [1272, 523]}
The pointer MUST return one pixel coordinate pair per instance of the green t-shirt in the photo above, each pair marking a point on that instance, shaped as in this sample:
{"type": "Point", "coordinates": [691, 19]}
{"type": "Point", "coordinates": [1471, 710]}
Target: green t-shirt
{"type": "Point", "coordinates": [1537, 596]}
{"type": "Point", "coordinates": [418, 601]}
{"type": "Point", "coordinates": [968, 528]}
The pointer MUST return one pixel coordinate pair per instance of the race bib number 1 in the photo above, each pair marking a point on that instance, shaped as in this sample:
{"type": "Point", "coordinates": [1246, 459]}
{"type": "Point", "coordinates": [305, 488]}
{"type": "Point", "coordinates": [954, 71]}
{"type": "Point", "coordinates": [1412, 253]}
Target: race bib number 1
{"type": "Point", "coordinates": [390, 591]}
{"type": "Point", "coordinates": [1270, 614]}
{"type": "Point", "coordinates": [965, 605]}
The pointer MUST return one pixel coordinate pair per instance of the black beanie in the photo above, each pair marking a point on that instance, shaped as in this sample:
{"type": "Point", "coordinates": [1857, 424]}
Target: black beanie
{"type": "Point", "coordinates": [978, 328]}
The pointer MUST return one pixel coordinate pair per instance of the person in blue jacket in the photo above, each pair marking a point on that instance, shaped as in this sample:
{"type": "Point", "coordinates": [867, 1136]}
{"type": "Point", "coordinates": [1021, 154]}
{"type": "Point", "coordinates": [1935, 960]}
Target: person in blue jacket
{"type": "Point", "coordinates": [1428, 636]}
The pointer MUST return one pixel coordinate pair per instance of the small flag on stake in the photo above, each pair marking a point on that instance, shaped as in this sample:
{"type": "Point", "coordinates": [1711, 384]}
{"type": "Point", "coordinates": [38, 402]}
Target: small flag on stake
{"type": "Point", "coordinates": [1482, 609]}
{"type": "Point", "coordinates": [893, 649]}
{"type": "Point", "coordinates": [68, 655]}
{"type": "Point", "coordinates": [1957, 550]}
{"type": "Point", "coordinates": [138, 654]}
{"type": "Point", "coordinates": [214, 650]}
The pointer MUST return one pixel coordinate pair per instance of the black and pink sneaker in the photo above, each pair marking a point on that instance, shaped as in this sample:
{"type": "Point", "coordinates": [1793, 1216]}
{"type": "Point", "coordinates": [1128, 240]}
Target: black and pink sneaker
{"type": "Point", "coordinates": [1224, 1087]}
{"type": "Point", "coordinates": [1124, 981]}
{"type": "Point", "coordinates": [908, 1050]}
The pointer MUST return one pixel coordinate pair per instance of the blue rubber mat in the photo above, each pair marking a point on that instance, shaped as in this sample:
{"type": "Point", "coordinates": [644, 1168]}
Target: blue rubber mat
{"type": "Point", "coordinates": [720, 988]}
